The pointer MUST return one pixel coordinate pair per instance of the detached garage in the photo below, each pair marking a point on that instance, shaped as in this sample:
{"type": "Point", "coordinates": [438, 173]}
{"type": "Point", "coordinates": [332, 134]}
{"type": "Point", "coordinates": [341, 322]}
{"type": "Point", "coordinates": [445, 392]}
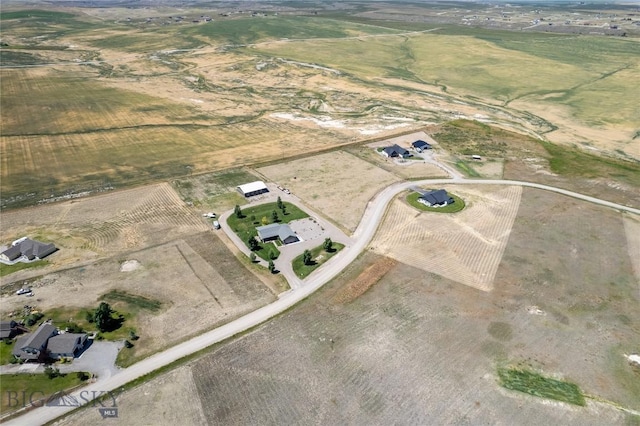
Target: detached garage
{"type": "Point", "coordinates": [254, 188]}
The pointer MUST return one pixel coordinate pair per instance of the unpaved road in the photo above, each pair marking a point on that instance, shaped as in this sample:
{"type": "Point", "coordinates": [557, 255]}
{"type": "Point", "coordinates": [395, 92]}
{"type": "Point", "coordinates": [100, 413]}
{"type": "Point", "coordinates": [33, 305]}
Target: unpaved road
{"type": "Point", "coordinates": [362, 236]}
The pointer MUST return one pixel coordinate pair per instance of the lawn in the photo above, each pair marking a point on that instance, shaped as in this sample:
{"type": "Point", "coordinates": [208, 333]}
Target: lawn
{"type": "Point", "coordinates": [10, 269]}
{"type": "Point", "coordinates": [27, 388]}
{"type": "Point", "coordinates": [5, 351]}
{"type": "Point", "coordinates": [318, 257]}
{"type": "Point", "coordinates": [538, 385]}
{"type": "Point", "coordinates": [451, 208]}
{"type": "Point", "coordinates": [245, 226]}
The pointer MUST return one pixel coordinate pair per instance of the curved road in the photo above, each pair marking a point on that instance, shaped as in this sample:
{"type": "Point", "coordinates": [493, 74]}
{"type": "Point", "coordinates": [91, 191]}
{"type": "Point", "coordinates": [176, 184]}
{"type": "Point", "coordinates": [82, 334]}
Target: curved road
{"type": "Point", "coordinates": [362, 236]}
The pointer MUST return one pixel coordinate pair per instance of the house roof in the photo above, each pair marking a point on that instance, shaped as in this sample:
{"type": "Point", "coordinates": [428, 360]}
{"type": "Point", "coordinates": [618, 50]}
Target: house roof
{"type": "Point", "coordinates": [65, 343]}
{"type": "Point", "coordinates": [20, 343]}
{"type": "Point", "coordinates": [282, 231]}
{"type": "Point", "coordinates": [397, 149]}
{"type": "Point", "coordinates": [420, 144]}
{"type": "Point", "coordinates": [38, 339]}
{"type": "Point", "coordinates": [252, 187]}
{"type": "Point", "coordinates": [7, 325]}
{"type": "Point", "coordinates": [29, 248]}
{"type": "Point", "coordinates": [438, 196]}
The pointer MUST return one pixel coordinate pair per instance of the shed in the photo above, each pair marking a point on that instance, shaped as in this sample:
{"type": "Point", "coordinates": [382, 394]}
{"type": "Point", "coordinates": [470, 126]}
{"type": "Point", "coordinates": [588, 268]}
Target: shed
{"type": "Point", "coordinates": [253, 188]}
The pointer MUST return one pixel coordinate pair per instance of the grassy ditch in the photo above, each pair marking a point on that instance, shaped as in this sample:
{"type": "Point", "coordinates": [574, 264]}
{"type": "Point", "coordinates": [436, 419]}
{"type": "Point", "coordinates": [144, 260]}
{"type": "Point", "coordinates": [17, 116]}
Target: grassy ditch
{"type": "Point", "coordinates": [20, 390]}
{"type": "Point", "coordinates": [466, 169]}
{"type": "Point", "coordinates": [318, 257]}
{"type": "Point", "coordinates": [245, 226]}
{"type": "Point", "coordinates": [539, 385]}
{"type": "Point", "coordinates": [457, 206]}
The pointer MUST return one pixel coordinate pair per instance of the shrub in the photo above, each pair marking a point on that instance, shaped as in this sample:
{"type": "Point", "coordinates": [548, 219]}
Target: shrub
{"type": "Point", "coordinates": [51, 372]}
{"type": "Point", "coordinates": [128, 344]}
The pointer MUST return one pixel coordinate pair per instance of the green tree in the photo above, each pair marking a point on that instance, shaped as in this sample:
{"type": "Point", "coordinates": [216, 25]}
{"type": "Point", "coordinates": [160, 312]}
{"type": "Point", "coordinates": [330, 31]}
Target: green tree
{"type": "Point", "coordinates": [238, 211]}
{"type": "Point", "coordinates": [252, 257]}
{"type": "Point", "coordinates": [327, 245]}
{"type": "Point", "coordinates": [51, 372]}
{"type": "Point", "coordinates": [306, 257]}
{"type": "Point", "coordinates": [272, 255]}
{"type": "Point", "coordinates": [274, 216]}
{"type": "Point", "coordinates": [103, 317]}
{"type": "Point", "coordinates": [253, 244]}
{"type": "Point", "coordinates": [279, 203]}
{"type": "Point", "coordinates": [264, 220]}
{"type": "Point", "coordinates": [272, 266]}
{"type": "Point", "coordinates": [284, 209]}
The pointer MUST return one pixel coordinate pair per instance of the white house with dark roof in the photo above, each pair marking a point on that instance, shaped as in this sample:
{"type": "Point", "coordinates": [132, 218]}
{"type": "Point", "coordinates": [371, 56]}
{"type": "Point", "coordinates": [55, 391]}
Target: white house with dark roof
{"type": "Point", "coordinates": [26, 250]}
{"type": "Point", "coordinates": [396, 151]}
{"type": "Point", "coordinates": [437, 198]}
{"type": "Point", "coordinates": [277, 231]}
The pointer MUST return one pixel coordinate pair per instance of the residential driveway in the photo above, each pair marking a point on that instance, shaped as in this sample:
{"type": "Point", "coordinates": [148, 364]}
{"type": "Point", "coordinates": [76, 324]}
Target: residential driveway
{"type": "Point", "coordinates": [99, 358]}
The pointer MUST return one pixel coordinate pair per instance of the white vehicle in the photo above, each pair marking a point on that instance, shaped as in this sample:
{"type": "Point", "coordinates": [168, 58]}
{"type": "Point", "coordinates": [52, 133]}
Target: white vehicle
{"type": "Point", "coordinates": [286, 191]}
{"type": "Point", "coordinates": [23, 291]}
{"type": "Point", "coordinates": [210, 215]}
{"type": "Point", "coordinates": [216, 224]}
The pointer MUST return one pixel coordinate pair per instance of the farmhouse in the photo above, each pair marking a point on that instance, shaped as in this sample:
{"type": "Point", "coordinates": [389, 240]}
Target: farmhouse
{"type": "Point", "coordinates": [396, 151]}
{"type": "Point", "coordinates": [254, 188]}
{"type": "Point", "coordinates": [26, 250]}
{"type": "Point", "coordinates": [66, 345]}
{"type": "Point", "coordinates": [436, 198]}
{"type": "Point", "coordinates": [420, 146]}
{"type": "Point", "coordinates": [33, 346]}
{"type": "Point", "coordinates": [276, 231]}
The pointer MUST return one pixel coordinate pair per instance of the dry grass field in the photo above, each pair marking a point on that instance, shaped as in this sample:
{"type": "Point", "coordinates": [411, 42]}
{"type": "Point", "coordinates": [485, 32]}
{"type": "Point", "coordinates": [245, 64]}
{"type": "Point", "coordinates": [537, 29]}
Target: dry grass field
{"type": "Point", "coordinates": [182, 264]}
{"type": "Point", "coordinates": [416, 346]}
{"type": "Point", "coordinates": [465, 247]}
{"type": "Point", "coordinates": [337, 184]}
{"type": "Point", "coordinates": [632, 228]}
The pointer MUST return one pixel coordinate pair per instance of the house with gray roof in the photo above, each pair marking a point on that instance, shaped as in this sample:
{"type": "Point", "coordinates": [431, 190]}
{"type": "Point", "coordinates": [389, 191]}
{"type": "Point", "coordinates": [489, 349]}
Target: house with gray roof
{"type": "Point", "coordinates": [396, 151]}
{"type": "Point", "coordinates": [66, 345]}
{"type": "Point", "coordinates": [437, 198]}
{"type": "Point", "coordinates": [26, 250]}
{"type": "Point", "coordinates": [33, 346]}
{"type": "Point", "coordinates": [277, 231]}
{"type": "Point", "coordinates": [10, 329]}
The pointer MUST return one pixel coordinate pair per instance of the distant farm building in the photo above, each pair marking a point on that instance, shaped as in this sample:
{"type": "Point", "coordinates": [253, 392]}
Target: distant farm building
{"type": "Point", "coordinates": [420, 146]}
{"type": "Point", "coordinates": [254, 188]}
{"type": "Point", "coordinates": [396, 151]}
{"type": "Point", "coordinates": [26, 250]}
{"type": "Point", "coordinates": [438, 198]}
{"type": "Point", "coordinates": [276, 231]}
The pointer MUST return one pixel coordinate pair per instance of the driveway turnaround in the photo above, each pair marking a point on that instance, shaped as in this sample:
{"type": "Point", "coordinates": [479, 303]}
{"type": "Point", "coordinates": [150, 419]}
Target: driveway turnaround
{"type": "Point", "coordinates": [361, 238]}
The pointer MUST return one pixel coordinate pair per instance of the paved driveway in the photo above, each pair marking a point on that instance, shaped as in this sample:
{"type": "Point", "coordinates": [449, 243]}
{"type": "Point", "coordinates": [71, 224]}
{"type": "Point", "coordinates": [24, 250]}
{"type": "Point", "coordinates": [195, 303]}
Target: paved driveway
{"type": "Point", "coordinates": [99, 358]}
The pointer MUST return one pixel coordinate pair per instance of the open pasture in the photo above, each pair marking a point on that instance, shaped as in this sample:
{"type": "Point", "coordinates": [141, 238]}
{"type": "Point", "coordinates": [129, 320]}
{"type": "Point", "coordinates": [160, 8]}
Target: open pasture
{"type": "Point", "coordinates": [466, 247]}
{"type": "Point", "coordinates": [337, 184]}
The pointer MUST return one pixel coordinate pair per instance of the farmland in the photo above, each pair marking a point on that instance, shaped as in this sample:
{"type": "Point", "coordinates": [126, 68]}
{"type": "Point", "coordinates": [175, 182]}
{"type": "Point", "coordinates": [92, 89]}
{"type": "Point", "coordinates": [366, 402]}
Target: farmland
{"type": "Point", "coordinates": [150, 100]}
{"type": "Point", "coordinates": [387, 340]}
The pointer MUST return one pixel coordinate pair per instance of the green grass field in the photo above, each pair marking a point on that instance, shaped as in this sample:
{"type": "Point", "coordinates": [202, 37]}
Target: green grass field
{"type": "Point", "coordinates": [318, 256]}
{"type": "Point", "coordinates": [457, 206]}
{"type": "Point", "coordinates": [538, 385]}
{"type": "Point", "coordinates": [35, 387]}
{"type": "Point", "coordinates": [245, 227]}
{"type": "Point", "coordinates": [10, 269]}
{"type": "Point", "coordinates": [5, 351]}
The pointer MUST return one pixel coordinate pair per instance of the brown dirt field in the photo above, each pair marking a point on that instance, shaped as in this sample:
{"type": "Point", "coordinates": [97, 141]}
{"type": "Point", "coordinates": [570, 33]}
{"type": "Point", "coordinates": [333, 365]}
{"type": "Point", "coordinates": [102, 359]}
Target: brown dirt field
{"type": "Point", "coordinates": [364, 281]}
{"type": "Point", "coordinates": [337, 184]}
{"type": "Point", "coordinates": [466, 247]}
{"type": "Point", "coordinates": [171, 399]}
{"type": "Point", "coordinates": [104, 225]}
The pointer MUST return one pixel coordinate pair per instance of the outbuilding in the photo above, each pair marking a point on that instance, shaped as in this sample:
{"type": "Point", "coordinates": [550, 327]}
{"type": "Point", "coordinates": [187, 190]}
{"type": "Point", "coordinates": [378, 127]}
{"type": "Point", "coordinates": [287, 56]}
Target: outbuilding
{"type": "Point", "coordinates": [420, 146]}
{"type": "Point", "coordinates": [254, 188]}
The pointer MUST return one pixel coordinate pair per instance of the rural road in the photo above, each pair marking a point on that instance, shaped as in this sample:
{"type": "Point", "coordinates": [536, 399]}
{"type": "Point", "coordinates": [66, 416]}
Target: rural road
{"type": "Point", "coordinates": [369, 223]}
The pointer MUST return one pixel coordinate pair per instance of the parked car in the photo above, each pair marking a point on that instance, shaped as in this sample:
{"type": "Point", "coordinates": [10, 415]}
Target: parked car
{"type": "Point", "coordinates": [216, 224]}
{"type": "Point", "coordinates": [23, 291]}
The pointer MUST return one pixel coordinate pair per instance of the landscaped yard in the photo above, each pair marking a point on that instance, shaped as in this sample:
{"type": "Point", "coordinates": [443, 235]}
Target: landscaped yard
{"type": "Point", "coordinates": [245, 226]}
{"type": "Point", "coordinates": [451, 208]}
{"type": "Point", "coordinates": [19, 390]}
{"type": "Point", "coordinates": [5, 352]}
{"type": "Point", "coordinates": [318, 257]}
{"type": "Point", "coordinates": [9, 269]}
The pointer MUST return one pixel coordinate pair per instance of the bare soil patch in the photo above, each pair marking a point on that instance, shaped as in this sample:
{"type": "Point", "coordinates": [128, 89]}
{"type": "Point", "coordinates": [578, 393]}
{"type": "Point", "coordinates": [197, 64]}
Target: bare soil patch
{"type": "Point", "coordinates": [632, 230]}
{"type": "Point", "coordinates": [364, 281]}
{"type": "Point", "coordinates": [337, 184]}
{"type": "Point", "coordinates": [465, 247]}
